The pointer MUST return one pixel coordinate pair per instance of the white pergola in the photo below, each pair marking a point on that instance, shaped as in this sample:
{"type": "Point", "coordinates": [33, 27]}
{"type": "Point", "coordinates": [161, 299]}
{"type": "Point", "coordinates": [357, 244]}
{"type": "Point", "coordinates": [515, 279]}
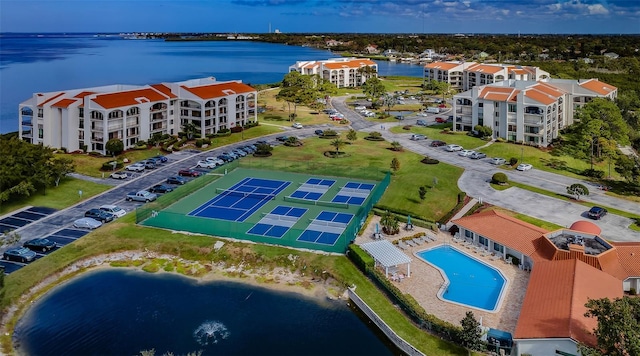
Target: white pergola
{"type": "Point", "coordinates": [387, 255]}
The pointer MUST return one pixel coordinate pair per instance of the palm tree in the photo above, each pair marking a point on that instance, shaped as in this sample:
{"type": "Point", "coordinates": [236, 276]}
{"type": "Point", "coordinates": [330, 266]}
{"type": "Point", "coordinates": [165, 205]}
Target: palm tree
{"type": "Point", "coordinates": [389, 224]}
{"type": "Point", "coordinates": [396, 146]}
{"type": "Point", "coordinates": [190, 129]}
{"type": "Point", "coordinates": [292, 141]}
{"type": "Point", "coordinates": [337, 143]}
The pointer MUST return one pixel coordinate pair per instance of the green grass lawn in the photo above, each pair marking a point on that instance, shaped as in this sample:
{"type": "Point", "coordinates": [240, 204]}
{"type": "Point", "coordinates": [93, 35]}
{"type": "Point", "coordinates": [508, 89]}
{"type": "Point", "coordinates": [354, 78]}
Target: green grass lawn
{"type": "Point", "coordinates": [402, 194]}
{"type": "Point", "coordinates": [60, 197]}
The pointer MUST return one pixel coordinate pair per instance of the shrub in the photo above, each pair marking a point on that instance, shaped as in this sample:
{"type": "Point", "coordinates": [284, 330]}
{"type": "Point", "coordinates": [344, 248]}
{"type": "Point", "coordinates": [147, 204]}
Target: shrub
{"type": "Point", "coordinates": [360, 258]}
{"type": "Point", "coordinates": [499, 178]}
{"type": "Point", "coordinates": [236, 129]}
{"type": "Point", "coordinates": [223, 131]}
{"type": "Point", "coordinates": [513, 161]}
{"type": "Point", "coordinates": [199, 143]}
{"type": "Point", "coordinates": [141, 143]}
{"type": "Point", "coordinates": [593, 173]}
{"type": "Point", "coordinates": [344, 122]}
{"type": "Point", "coordinates": [406, 127]}
{"type": "Point", "coordinates": [461, 197]}
{"type": "Point", "coordinates": [108, 166]}
{"type": "Point", "coordinates": [95, 154]}
{"type": "Point", "coordinates": [632, 291]}
{"type": "Point", "coordinates": [329, 133]}
{"type": "Point", "coordinates": [374, 136]}
{"type": "Point", "coordinates": [429, 160]}
{"type": "Point", "coordinates": [206, 141]}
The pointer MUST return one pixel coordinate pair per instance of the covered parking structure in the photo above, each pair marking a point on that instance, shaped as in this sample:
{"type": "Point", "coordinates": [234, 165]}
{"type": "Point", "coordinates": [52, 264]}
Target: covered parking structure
{"type": "Point", "coordinates": [384, 253]}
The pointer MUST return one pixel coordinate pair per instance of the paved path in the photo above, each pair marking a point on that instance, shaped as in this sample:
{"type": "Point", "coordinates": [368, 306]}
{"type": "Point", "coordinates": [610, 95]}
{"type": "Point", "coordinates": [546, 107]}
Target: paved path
{"type": "Point", "coordinates": [474, 182]}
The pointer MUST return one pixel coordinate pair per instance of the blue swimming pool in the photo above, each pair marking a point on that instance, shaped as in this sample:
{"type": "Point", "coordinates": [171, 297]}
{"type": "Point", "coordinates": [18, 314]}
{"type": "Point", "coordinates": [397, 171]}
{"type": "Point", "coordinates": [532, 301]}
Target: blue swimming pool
{"type": "Point", "coordinates": [468, 281]}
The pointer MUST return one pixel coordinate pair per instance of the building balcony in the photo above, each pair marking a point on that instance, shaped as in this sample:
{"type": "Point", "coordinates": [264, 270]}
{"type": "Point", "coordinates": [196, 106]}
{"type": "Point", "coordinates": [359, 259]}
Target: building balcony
{"type": "Point", "coordinates": [97, 139]}
{"type": "Point", "coordinates": [27, 134]}
{"type": "Point", "coordinates": [536, 123]}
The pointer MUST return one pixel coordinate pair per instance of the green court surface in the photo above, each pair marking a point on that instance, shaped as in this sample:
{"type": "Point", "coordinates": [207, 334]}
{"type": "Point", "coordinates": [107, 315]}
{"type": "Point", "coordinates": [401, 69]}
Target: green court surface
{"type": "Point", "coordinates": [305, 210]}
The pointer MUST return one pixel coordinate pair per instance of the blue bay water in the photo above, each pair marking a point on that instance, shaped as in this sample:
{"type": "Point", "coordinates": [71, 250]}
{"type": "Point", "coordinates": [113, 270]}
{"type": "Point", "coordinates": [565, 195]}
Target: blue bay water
{"type": "Point", "coordinates": [30, 64]}
{"type": "Point", "coordinates": [118, 312]}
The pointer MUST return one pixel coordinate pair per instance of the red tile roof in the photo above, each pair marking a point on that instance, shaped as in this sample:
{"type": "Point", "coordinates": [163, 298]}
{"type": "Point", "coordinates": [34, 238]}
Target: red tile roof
{"type": "Point", "coordinates": [553, 306]}
{"type": "Point", "coordinates": [628, 257]}
{"type": "Point", "coordinates": [485, 68]}
{"type": "Point", "coordinates": [83, 94]}
{"type": "Point", "coordinates": [128, 98]}
{"type": "Point", "coordinates": [505, 230]}
{"type": "Point", "coordinates": [442, 65]}
{"type": "Point", "coordinates": [164, 90]}
{"type": "Point", "coordinates": [597, 86]}
{"type": "Point", "coordinates": [498, 93]}
{"type": "Point", "coordinates": [52, 98]}
{"type": "Point", "coordinates": [219, 90]}
{"type": "Point", "coordinates": [356, 63]}
{"type": "Point", "coordinates": [539, 96]}
{"type": "Point", "coordinates": [64, 103]}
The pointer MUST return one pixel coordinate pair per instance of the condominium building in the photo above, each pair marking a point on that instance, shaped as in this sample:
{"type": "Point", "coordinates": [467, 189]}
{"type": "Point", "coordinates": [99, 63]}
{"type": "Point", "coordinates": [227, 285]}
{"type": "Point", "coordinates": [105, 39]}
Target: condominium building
{"type": "Point", "coordinates": [87, 118]}
{"type": "Point", "coordinates": [342, 72]}
{"type": "Point", "coordinates": [463, 76]}
{"type": "Point", "coordinates": [531, 112]}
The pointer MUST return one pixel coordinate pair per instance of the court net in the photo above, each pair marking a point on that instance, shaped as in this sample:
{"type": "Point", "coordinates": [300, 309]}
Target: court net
{"type": "Point", "coordinates": [236, 193]}
{"type": "Point", "coordinates": [327, 223]}
{"type": "Point", "coordinates": [328, 204]}
{"type": "Point", "coordinates": [280, 217]}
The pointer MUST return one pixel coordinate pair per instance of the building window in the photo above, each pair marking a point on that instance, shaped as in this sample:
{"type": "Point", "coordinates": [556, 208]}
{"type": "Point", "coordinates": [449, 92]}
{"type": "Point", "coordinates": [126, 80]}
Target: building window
{"type": "Point", "coordinates": [497, 104]}
{"type": "Point", "coordinates": [468, 234]}
{"type": "Point", "coordinates": [513, 108]}
{"type": "Point", "coordinates": [497, 247]}
{"type": "Point", "coordinates": [480, 105]}
{"type": "Point", "coordinates": [40, 112]}
{"type": "Point", "coordinates": [81, 124]}
{"type": "Point", "coordinates": [497, 114]}
{"type": "Point", "coordinates": [80, 112]}
{"type": "Point", "coordinates": [40, 131]}
{"type": "Point", "coordinates": [483, 240]}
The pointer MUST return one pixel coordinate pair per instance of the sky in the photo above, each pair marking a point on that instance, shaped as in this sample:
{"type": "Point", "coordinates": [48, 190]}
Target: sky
{"type": "Point", "coordinates": [323, 16]}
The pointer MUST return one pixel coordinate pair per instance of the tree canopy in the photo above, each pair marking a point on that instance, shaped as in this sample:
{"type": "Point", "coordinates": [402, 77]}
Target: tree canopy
{"type": "Point", "coordinates": [618, 330]}
{"type": "Point", "coordinates": [373, 89]}
{"type": "Point", "coordinates": [298, 89]}
{"type": "Point", "coordinates": [25, 168]}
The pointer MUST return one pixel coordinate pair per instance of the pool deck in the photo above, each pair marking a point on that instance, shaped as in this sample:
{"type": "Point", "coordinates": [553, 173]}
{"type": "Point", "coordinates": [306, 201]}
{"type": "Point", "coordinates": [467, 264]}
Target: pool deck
{"type": "Point", "coordinates": [425, 281]}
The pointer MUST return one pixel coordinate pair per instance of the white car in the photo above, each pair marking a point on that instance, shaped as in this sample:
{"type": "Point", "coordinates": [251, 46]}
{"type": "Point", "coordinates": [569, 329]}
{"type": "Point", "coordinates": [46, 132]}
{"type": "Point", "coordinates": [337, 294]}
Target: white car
{"type": "Point", "coordinates": [117, 211]}
{"type": "Point", "coordinates": [297, 125]}
{"type": "Point", "coordinates": [87, 223]}
{"type": "Point", "coordinates": [422, 113]}
{"type": "Point", "coordinates": [416, 137]}
{"type": "Point", "coordinates": [119, 175]}
{"type": "Point", "coordinates": [136, 167]}
{"type": "Point", "coordinates": [453, 148]}
{"type": "Point", "coordinates": [466, 153]}
{"type": "Point", "coordinates": [524, 167]}
{"type": "Point", "coordinates": [360, 108]}
{"type": "Point", "coordinates": [206, 164]}
{"type": "Point", "coordinates": [215, 160]}
{"type": "Point", "coordinates": [370, 114]}
{"type": "Point", "coordinates": [498, 161]}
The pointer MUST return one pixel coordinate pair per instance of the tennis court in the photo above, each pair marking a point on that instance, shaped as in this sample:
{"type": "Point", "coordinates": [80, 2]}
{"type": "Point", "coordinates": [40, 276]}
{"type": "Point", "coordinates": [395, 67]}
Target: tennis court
{"type": "Point", "coordinates": [241, 200]}
{"type": "Point", "coordinates": [326, 228]}
{"type": "Point", "coordinates": [355, 193]}
{"type": "Point", "coordinates": [277, 222]}
{"type": "Point", "coordinates": [260, 206]}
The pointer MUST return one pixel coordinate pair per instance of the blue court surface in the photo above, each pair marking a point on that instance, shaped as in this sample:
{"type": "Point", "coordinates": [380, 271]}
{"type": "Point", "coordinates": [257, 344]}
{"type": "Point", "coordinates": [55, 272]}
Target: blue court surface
{"type": "Point", "coordinates": [326, 228]}
{"type": "Point", "coordinates": [323, 182]}
{"type": "Point", "coordinates": [302, 194]}
{"type": "Point", "coordinates": [241, 200]}
{"type": "Point", "coordinates": [353, 193]}
{"type": "Point", "coordinates": [277, 222]}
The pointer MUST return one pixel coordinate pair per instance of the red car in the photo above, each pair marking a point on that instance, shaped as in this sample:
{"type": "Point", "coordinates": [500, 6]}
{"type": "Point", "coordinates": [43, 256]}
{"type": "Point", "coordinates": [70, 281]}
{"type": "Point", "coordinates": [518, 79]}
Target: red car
{"type": "Point", "coordinates": [189, 173]}
{"type": "Point", "coordinates": [440, 120]}
{"type": "Point", "coordinates": [437, 143]}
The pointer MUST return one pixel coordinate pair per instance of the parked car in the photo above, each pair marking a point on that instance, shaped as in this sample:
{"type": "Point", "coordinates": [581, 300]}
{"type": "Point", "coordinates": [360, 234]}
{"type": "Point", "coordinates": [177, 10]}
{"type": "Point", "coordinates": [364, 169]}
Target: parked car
{"type": "Point", "coordinates": [239, 152]}
{"type": "Point", "coordinates": [161, 188]}
{"type": "Point", "coordinates": [477, 155]}
{"type": "Point", "coordinates": [416, 137]}
{"type": "Point", "coordinates": [215, 160]}
{"type": "Point", "coordinates": [136, 167]}
{"type": "Point", "coordinates": [87, 223]}
{"type": "Point", "coordinates": [19, 254]}
{"type": "Point", "coordinates": [282, 138]}
{"type": "Point", "coordinates": [498, 161]}
{"type": "Point", "coordinates": [117, 211]}
{"type": "Point", "coordinates": [142, 196]}
{"type": "Point", "coordinates": [466, 153]}
{"type": "Point", "coordinates": [149, 164]}
{"type": "Point", "coordinates": [119, 175]}
{"type": "Point", "coordinates": [189, 173]}
{"type": "Point", "coordinates": [99, 215]}
{"type": "Point", "coordinates": [225, 158]}
{"type": "Point", "coordinates": [360, 108]}
{"type": "Point", "coordinates": [297, 125]}
{"type": "Point", "coordinates": [524, 167]}
{"type": "Point", "coordinates": [453, 148]}
{"type": "Point", "coordinates": [206, 164]}
{"type": "Point", "coordinates": [176, 180]}
{"type": "Point", "coordinates": [231, 154]}
{"type": "Point", "coordinates": [438, 143]}
{"type": "Point", "coordinates": [370, 114]}
{"type": "Point", "coordinates": [318, 132]}
{"type": "Point", "coordinates": [421, 122]}
{"type": "Point", "coordinates": [162, 158]}
{"type": "Point", "coordinates": [40, 244]}
{"type": "Point", "coordinates": [597, 212]}
{"type": "Point", "coordinates": [156, 161]}
{"type": "Point", "coordinates": [440, 120]}
{"type": "Point", "coordinates": [422, 113]}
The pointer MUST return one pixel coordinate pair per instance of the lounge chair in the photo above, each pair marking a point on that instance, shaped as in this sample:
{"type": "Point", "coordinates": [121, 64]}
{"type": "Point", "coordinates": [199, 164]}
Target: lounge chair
{"type": "Point", "coordinates": [423, 239]}
{"type": "Point", "coordinates": [411, 243]}
{"type": "Point", "coordinates": [432, 238]}
{"type": "Point", "coordinates": [402, 245]}
{"type": "Point", "coordinates": [418, 241]}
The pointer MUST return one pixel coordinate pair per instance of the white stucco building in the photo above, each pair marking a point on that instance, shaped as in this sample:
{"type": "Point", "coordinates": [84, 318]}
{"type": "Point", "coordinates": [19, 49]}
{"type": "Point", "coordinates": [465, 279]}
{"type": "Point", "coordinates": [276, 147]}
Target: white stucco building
{"type": "Point", "coordinates": [342, 72]}
{"type": "Point", "coordinates": [532, 112]}
{"type": "Point", "coordinates": [92, 116]}
{"type": "Point", "coordinates": [463, 76]}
